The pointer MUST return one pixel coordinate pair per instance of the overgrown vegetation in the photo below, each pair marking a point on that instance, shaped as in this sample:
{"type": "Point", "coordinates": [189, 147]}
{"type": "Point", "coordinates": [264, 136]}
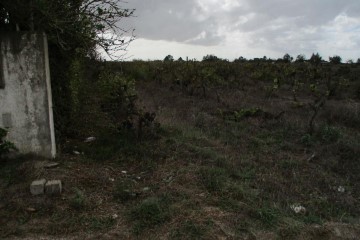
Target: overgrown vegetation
{"type": "Point", "coordinates": [203, 150]}
{"type": "Point", "coordinates": [5, 146]}
{"type": "Point", "coordinates": [76, 30]}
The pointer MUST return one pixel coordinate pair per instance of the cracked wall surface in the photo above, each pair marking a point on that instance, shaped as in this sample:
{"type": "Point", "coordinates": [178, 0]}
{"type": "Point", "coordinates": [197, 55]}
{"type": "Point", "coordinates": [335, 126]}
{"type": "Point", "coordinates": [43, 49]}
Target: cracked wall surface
{"type": "Point", "coordinates": [25, 95]}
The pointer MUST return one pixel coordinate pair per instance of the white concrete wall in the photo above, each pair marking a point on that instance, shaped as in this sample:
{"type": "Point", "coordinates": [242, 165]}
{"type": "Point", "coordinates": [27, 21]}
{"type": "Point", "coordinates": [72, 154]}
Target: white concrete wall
{"type": "Point", "coordinates": [25, 100]}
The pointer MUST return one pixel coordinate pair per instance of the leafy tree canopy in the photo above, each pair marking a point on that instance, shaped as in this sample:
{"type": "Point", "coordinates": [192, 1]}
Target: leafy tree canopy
{"type": "Point", "coordinates": [300, 58]}
{"type": "Point", "coordinates": [287, 58]}
{"type": "Point", "coordinates": [335, 59]}
{"type": "Point", "coordinates": [76, 31]}
{"type": "Point", "coordinates": [210, 58]}
{"type": "Point", "coordinates": [240, 59]}
{"type": "Point", "coordinates": [169, 58]}
{"type": "Point", "coordinates": [315, 59]}
{"type": "Point", "coordinates": [81, 25]}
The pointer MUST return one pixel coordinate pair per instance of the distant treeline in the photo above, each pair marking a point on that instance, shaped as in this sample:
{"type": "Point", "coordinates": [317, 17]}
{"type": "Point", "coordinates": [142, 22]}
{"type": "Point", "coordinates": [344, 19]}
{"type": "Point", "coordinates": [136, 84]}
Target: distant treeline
{"type": "Point", "coordinates": [287, 58]}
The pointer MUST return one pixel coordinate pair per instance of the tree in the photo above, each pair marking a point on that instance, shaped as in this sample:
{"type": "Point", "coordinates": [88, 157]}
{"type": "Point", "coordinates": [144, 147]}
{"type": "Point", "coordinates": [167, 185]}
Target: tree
{"type": "Point", "coordinates": [169, 58]}
{"type": "Point", "coordinates": [287, 58]}
{"type": "Point", "coordinates": [72, 25]}
{"type": "Point", "coordinates": [76, 30]}
{"type": "Point", "coordinates": [210, 58]}
{"type": "Point", "coordinates": [315, 59]}
{"type": "Point", "coordinates": [335, 59]}
{"type": "Point", "coordinates": [240, 59]}
{"type": "Point", "coordinates": [300, 58]}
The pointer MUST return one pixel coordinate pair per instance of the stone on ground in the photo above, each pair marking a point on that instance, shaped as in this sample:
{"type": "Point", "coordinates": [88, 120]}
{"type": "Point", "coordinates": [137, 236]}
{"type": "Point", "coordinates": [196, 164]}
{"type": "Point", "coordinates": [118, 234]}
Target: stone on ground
{"type": "Point", "coordinates": [37, 187]}
{"type": "Point", "coordinates": [53, 187]}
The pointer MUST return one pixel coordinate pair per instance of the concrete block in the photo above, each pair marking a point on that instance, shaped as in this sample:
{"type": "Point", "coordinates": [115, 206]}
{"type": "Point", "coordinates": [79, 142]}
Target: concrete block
{"type": "Point", "coordinates": [37, 187]}
{"type": "Point", "coordinates": [53, 187]}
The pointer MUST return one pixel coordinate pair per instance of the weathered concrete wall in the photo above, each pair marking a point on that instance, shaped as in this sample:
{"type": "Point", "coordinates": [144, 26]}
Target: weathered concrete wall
{"type": "Point", "coordinates": [25, 93]}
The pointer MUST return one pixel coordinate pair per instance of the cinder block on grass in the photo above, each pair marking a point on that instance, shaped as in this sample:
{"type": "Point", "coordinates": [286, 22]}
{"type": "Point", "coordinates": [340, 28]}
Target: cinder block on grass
{"type": "Point", "coordinates": [53, 187]}
{"type": "Point", "coordinates": [37, 187]}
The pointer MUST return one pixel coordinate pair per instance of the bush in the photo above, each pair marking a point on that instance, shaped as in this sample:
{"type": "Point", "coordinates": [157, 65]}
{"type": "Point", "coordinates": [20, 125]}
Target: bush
{"type": "Point", "coordinates": [103, 104]}
{"type": "Point", "coordinates": [78, 201]}
{"type": "Point", "coordinates": [118, 95]}
{"type": "Point", "coordinates": [5, 146]}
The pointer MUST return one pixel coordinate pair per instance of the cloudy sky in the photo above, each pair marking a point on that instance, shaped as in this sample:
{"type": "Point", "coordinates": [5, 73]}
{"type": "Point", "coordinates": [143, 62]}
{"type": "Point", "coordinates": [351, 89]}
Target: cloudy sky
{"type": "Point", "coordinates": [250, 28]}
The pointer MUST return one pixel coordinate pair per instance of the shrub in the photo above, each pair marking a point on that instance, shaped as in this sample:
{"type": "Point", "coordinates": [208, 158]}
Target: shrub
{"type": "Point", "coordinates": [78, 201]}
{"type": "Point", "coordinates": [118, 95]}
{"type": "Point", "coordinates": [5, 146]}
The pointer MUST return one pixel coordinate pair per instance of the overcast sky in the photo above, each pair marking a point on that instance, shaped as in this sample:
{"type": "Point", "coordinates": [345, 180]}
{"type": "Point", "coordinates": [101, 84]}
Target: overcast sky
{"type": "Point", "coordinates": [250, 28]}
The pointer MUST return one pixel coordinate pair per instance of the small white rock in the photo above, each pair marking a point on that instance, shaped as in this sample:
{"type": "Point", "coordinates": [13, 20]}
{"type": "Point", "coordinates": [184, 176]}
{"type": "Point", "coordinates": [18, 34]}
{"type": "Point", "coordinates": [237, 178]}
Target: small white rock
{"type": "Point", "coordinates": [114, 216]}
{"type": "Point", "coordinates": [76, 152]}
{"type": "Point", "coordinates": [111, 179]}
{"type": "Point", "coordinates": [37, 187]}
{"type": "Point", "coordinates": [298, 208]}
{"type": "Point", "coordinates": [53, 187]}
{"type": "Point", "coordinates": [30, 209]}
{"type": "Point", "coordinates": [341, 189]}
{"type": "Point", "coordinates": [51, 165]}
{"type": "Point", "coordinates": [124, 172]}
{"type": "Point", "coordinates": [90, 139]}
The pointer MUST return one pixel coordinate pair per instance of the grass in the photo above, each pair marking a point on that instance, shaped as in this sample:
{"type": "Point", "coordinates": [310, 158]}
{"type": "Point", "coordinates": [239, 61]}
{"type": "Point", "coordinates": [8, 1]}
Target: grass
{"type": "Point", "coordinates": [149, 213]}
{"type": "Point", "coordinates": [213, 179]}
{"type": "Point", "coordinates": [204, 170]}
{"type": "Point", "coordinates": [102, 223]}
{"type": "Point", "coordinates": [124, 190]}
{"type": "Point", "coordinates": [70, 223]}
{"type": "Point", "coordinates": [190, 230]}
{"type": "Point", "coordinates": [269, 215]}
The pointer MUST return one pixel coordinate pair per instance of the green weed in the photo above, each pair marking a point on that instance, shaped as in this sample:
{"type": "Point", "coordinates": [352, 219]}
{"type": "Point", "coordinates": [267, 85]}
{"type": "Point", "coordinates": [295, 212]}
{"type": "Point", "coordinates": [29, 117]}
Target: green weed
{"type": "Point", "coordinates": [149, 213]}
{"type": "Point", "coordinates": [329, 134]}
{"type": "Point", "coordinates": [78, 201]}
{"type": "Point", "coordinates": [5, 146]}
{"type": "Point", "coordinates": [214, 179]}
{"type": "Point", "coordinates": [307, 140]}
{"type": "Point", "coordinates": [189, 230]}
{"type": "Point", "coordinates": [268, 215]}
{"type": "Point", "coordinates": [100, 223]}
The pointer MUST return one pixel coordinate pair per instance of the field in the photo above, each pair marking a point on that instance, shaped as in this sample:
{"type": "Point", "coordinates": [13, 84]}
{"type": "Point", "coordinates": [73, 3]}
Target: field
{"type": "Point", "coordinates": [199, 150]}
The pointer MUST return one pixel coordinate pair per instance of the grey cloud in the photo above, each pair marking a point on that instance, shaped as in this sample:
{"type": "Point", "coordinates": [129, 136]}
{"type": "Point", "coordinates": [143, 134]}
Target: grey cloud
{"type": "Point", "coordinates": [280, 25]}
{"type": "Point", "coordinates": [167, 20]}
{"type": "Point", "coordinates": [180, 21]}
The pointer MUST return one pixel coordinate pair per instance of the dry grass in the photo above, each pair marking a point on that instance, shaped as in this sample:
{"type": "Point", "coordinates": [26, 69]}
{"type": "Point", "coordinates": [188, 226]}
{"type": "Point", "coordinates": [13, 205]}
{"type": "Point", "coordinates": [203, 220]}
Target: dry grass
{"type": "Point", "coordinates": [206, 177]}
